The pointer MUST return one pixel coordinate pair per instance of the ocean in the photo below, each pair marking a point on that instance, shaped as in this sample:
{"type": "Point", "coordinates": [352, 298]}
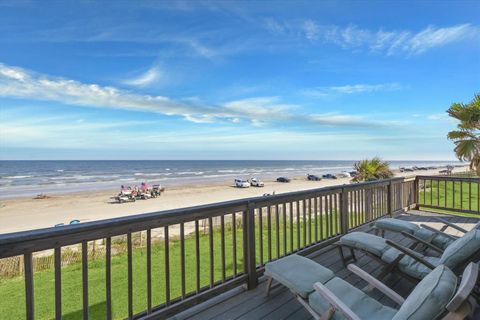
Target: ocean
{"type": "Point", "coordinates": [25, 178]}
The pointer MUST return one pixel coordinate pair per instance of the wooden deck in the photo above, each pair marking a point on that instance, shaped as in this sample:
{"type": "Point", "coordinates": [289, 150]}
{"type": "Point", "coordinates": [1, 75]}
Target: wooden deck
{"type": "Point", "coordinates": [281, 304]}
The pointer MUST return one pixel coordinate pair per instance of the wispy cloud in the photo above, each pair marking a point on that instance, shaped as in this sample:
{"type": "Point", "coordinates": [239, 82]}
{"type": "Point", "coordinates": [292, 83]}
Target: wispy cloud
{"type": "Point", "coordinates": [20, 83]}
{"type": "Point", "coordinates": [388, 42]}
{"type": "Point", "coordinates": [151, 76]}
{"type": "Point", "coordinates": [320, 92]}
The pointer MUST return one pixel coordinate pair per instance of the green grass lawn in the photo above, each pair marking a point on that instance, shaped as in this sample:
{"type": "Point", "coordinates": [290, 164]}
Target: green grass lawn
{"type": "Point", "coordinates": [450, 195]}
{"type": "Point", "coordinates": [12, 289]}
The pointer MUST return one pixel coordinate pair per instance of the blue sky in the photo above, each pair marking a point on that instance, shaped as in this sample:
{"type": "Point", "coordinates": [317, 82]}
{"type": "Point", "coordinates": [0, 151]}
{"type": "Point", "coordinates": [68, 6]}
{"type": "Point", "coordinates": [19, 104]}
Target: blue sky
{"type": "Point", "coordinates": [234, 80]}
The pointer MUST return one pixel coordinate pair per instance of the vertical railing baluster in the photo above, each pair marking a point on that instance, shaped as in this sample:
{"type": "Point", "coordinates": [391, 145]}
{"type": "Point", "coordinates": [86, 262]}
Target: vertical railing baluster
{"type": "Point", "coordinates": [269, 232]}
{"type": "Point", "coordinates": [309, 204]}
{"type": "Point", "coordinates": [327, 217]}
{"type": "Point", "coordinates": [197, 255]}
{"type": "Point", "coordinates": [431, 192]}
{"type": "Point", "coordinates": [222, 246]}
{"type": "Point", "coordinates": [461, 195]}
{"type": "Point", "coordinates": [315, 212]}
{"type": "Point", "coordinates": [167, 265]}
{"type": "Point", "coordinates": [332, 215]}
{"type": "Point", "coordinates": [291, 227]}
{"type": "Point", "coordinates": [211, 245]}
{"type": "Point", "coordinates": [85, 279]}
{"type": "Point", "coordinates": [284, 229]}
{"type": "Point", "coordinates": [438, 193]}
{"type": "Point", "coordinates": [182, 259]}
{"type": "Point", "coordinates": [453, 200]}
{"type": "Point", "coordinates": [130, 276]}
{"type": "Point", "coordinates": [445, 194]}
{"type": "Point", "coordinates": [304, 209]}
{"type": "Point", "coordinates": [149, 271]}
{"type": "Point", "coordinates": [470, 196]}
{"type": "Point", "coordinates": [108, 278]}
{"type": "Point", "coordinates": [58, 282]}
{"type": "Point", "coordinates": [29, 293]}
{"type": "Point", "coordinates": [298, 224]}
{"type": "Point", "coordinates": [234, 242]}
{"type": "Point", "coordinates": [277, 229]}
{"type": "Point", "coordinates": [320, 211]}
{"type": "Point", "coordinates": [260, 233]}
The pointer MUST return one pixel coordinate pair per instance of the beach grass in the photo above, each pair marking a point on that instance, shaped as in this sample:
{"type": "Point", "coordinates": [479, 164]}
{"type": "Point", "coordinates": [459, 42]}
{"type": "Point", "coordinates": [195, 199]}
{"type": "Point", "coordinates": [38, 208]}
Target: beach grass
{"type": "Point", "coordinates": [450, 196]}
{"type": "Point", "coordinates": [12, 289]}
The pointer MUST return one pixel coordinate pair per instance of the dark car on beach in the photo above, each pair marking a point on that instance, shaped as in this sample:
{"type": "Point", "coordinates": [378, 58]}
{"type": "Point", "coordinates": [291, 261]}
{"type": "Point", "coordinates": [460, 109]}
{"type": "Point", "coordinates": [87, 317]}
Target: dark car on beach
{"type": "Point", "coordinates": [283, 179]}
{"type": "Point", "coordinates": [312, 177]}
{"type": "Point", "coordinates": [329, 176]}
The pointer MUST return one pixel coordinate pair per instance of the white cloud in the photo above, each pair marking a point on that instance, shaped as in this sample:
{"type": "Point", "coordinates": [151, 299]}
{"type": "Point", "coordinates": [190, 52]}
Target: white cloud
{"type": "Point", "coordinates": [440, 117]}
{"type": "Point", "coordinates": [388, 42]}
{"type": "Point", "coordinates": [311, 30]}
{"type": "Point", "coordinates": [323, 92]}
{"type": "Point", "coordinates": [19, 83]}
{"type": "Point", "coordinates": [151, 76]}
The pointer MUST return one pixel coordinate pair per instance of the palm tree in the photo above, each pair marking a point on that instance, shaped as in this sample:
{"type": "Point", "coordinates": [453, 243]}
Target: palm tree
{"type": "Point", "coordinates": [466, 138]}
{"type": "Point", "coordinates": [373, 169]}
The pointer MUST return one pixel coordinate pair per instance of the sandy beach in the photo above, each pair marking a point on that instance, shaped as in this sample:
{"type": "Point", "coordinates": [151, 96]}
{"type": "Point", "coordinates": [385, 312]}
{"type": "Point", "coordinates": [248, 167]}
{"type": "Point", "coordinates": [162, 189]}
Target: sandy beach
{"type": "Point", "coordinates": [26, 213]}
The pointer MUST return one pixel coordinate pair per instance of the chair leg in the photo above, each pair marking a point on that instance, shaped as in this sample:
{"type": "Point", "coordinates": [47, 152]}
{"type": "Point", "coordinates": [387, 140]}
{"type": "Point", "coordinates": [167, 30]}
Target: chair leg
{"type": "Point", "coordinates": [340, 250]}
{"type": "Point", "coordinates": [269, 285]}
{"type": "Point", "coordinates": [352, 254]}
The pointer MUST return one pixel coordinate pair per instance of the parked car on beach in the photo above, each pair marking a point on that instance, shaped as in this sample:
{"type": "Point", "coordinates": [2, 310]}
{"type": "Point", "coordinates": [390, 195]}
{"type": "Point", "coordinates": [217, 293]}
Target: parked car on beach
{"type": "Point", "coordinates": [313, 177]}
{"type": "Point", "coordinates": [329, 176]}
{"type": "Point", "coordinates": [254, 182]}
{"type": "Point", "coordinates": [242, 183]}
{"type": "Point", "coordinates": [283, 179]}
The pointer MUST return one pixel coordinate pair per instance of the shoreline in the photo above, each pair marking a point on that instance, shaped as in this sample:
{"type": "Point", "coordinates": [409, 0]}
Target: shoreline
{"type": "Point", "coordinates": [88, 206]}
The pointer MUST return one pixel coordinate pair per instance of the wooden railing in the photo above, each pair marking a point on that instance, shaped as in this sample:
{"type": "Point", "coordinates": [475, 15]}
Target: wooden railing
{"type": "Point", "coordinates": [449, 193]}
{"type": "Point", "coordinates": [188, 255]}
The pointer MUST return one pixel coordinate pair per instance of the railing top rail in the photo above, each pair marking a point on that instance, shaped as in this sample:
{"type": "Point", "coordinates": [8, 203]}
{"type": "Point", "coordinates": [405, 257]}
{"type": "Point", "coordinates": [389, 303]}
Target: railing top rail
{"type": "Point", "coordinates": [450, 178]}
{"type": "Point", "coordinates": [42, 239]}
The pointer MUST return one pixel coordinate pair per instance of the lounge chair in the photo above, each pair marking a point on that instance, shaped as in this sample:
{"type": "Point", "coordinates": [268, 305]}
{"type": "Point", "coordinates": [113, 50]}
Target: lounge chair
{"type": "Point", "coordinates": [420, 233]}
{"type": "Point", "coordinates": [326, 296]}
{"type": "Point", "coordinates": [413, 265]}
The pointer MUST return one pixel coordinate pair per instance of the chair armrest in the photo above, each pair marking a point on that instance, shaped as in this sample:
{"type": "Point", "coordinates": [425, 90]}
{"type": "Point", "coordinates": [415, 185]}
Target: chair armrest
{"type": "Point", "coordinates": [452, 225]}
{"type": "Point", "coordinates": [395, 297]}
{"type": "Point", "coordinates": [438, 232]}
{"type": "Point", "coordinates": [335, 301]}
{"type": "Point", "coordinates": [411, 253]}
{"type": "Point", "coordinates": [428, 244]}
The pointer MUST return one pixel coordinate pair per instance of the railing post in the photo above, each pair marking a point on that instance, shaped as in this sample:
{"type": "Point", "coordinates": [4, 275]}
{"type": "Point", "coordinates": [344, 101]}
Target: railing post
{"type": "Point", "coordinates": [415, 192]}
{"type": "Point", "coordinates": [249, 245]}
{"type": "Point", "coordinates": [344, 211]}
{"type": "Point", "coordinates": [368, 204]}
{"type": "Point", "coordinates": [390, 198]}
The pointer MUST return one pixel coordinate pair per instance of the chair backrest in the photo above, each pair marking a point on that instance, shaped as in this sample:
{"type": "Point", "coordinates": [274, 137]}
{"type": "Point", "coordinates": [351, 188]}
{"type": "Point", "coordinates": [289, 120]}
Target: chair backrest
{"type": "Point", "coordinates": [430, 297]}
{"type": "Point", "coordinates": [469, 280]}
{"type": "Point", "coordinates": [461, 250]}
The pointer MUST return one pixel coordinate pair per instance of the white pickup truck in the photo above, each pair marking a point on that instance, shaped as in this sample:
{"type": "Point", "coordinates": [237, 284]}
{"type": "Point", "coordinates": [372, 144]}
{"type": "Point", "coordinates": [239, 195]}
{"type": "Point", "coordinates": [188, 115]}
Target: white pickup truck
{"type": "Point", "coordinates": [242, 183]}
{"type": "Point", "coordinates": [254, 182]}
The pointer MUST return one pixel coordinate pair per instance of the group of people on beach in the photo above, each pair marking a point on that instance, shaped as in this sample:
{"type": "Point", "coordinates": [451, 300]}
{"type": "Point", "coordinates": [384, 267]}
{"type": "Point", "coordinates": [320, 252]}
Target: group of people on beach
{"type": "Point", "coordinates": [144, 192]}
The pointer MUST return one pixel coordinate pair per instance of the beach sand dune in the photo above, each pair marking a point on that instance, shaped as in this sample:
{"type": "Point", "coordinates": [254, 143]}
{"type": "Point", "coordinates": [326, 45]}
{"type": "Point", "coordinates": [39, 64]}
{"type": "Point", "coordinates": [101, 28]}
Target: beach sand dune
{"type": "Point", "coordinates": [26, 213]}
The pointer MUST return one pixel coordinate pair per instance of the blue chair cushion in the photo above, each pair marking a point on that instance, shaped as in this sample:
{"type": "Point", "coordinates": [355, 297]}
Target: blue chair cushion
{"type": "Point", "coordinates": [409, 265]}
{"type": "Point", "coordinates": [462, 249]}
{"type": "Point", "coordinates": [365, 241]}
{"type": "Point", "coordinates": [357, 300]}
{"type": "Point", "coordinates": [430, 297]}
{"type": "Point", "coordinates": [437, 239]}
{"type": "Point", "coordinates": [298, 273]}
{"type": "Point", "coordinates": [396, 225]}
